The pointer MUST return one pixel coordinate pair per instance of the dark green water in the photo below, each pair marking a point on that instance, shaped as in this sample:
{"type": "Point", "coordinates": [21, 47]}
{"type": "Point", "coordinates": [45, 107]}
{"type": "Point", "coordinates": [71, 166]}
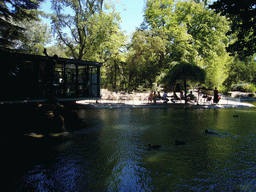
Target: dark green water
{"type": "Point", "coordinates": [111, 153]}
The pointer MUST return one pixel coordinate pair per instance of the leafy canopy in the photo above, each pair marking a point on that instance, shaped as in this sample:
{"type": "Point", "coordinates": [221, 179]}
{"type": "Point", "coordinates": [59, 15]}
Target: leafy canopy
{"type": "Point", "coordinates": [242, 15]}
{"type": "Point", "coordinates": [184, 72]}
{"type": "Point", "coordinates": [13, 12]}
{"type": "Point", "coordinates": [85, 29]}
{"type": "Point", "coordinates": [37, 35]}
{"type": "Point", "coordinates": [195, 35]}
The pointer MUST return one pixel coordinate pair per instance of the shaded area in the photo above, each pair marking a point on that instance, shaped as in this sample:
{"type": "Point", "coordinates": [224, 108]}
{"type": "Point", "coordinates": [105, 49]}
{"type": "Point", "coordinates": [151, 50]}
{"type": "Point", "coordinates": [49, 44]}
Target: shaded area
{"type": "Point", "coordinates": [19, 119]}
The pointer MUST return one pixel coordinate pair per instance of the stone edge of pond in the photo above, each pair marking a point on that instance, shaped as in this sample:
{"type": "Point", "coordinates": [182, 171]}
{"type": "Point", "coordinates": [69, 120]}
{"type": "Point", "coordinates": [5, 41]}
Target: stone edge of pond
{"type": "Point", "coordinates": [159, 106]}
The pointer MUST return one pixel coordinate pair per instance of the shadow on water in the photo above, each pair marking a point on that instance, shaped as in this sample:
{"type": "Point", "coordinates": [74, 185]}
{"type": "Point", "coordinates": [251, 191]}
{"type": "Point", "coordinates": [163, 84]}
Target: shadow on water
{"type": "Point", "coordinates": [111, 154]}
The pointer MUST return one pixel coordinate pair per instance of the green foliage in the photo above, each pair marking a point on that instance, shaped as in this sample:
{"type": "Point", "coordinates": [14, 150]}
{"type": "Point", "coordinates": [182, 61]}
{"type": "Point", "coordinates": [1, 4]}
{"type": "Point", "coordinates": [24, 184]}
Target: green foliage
{"type": "Point", "coordinates": [88, 26]}
{"type": "Point", "coordinates": [244, 87]}
{"type": "Point", "coordinates": [146, 57]}
{"type": "Point", "coordinates": [242, 15]}
{"type": "Point", "coordinates": [250, 88]}
{"type": "Point", "coordinates": [56, 50]}
{"type": "Point", "coordinates": [224, 89]}
{"type": "Point", "coordinates": [93, 34]}
{"type": "Point", "coordinates": [158, 13]}
{"type": "Point", "coordinates": [208, 38]}
{"type": "Point", "coordinates": [13, 12]}
{"type": "Point", "coordinates": [184, 72]}
{"type": "Point", "coordinates": [195, 35]}
{"type": "Point", "coordinates": [241, 71]}
{"type": "Point", "coordinates": [37, 35]}
{"type": "Point", "coordinates": [112, 54]}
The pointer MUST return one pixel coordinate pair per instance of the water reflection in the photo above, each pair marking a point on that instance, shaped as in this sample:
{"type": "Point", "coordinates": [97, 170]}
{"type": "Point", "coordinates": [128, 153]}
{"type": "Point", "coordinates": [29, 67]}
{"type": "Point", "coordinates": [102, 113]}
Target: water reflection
{"type": "Point", "coordinates": [111, 153]}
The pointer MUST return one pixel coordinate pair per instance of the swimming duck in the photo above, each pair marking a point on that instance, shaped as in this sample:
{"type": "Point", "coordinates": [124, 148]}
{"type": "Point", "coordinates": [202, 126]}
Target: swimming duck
{"type": "Point", "coordinates": [235, 115]}
{"type": "Point", "coordinates": [154, 146]}
{"type": "Point", "coordinates": [208, 132]}
{"type": "Point", "coordinates": [180, 142]}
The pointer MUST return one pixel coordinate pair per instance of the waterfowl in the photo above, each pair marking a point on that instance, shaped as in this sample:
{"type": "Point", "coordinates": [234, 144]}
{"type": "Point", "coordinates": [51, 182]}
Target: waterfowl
{"type": "Point", "coordinates": [180, 142]}
{"type": "Point", "coordinates": [235, 115]}
{"type": "Point", "coordinates": [208, 132]}
{"type": "Point", "coordinates": [154, 146]}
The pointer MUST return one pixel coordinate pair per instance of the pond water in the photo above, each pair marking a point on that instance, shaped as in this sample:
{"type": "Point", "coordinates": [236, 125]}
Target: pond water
{"type": "Point", "coordinates": [111, 153]}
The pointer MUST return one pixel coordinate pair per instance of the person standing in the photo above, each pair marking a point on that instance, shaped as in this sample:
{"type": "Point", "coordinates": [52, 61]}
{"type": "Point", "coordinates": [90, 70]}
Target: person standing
{"type": "Point", "coordinates": [199, 94]}
{"type": "Point", "coordinates": [165, 97]}
{"type": "Point", "coordinates": [182, 96]}
{"type": "Point", "coordinates": [150, 97]}
{"type": "Point", "coordinates": [216, 95]}
{"type": "Point", "coordinates": [191, 96]}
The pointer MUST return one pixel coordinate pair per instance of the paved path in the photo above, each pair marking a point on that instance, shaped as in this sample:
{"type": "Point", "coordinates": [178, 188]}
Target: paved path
{"type": "Point", "coordinates": [140, 104]}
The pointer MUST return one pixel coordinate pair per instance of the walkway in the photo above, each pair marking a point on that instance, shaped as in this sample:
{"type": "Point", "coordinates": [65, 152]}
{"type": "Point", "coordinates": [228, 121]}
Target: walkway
{"type": "Point", "coordinates": [224, 103]}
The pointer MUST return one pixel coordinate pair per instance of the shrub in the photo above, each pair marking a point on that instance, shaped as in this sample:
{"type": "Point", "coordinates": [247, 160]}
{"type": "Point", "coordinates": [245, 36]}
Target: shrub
{"type": "Point", "coordinates": [223, 89]}
{"type": "Point", "coordinates": [250, 88]}
{"type": "Point", "coordinates": [239, 87]}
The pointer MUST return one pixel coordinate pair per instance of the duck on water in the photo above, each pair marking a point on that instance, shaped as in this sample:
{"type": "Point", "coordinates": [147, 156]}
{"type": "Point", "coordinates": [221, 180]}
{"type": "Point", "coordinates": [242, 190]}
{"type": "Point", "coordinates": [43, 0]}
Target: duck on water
{"type": "Point", "coordinates": [177, 142]}
{"type": "Point", "coordinates": [153, 146]}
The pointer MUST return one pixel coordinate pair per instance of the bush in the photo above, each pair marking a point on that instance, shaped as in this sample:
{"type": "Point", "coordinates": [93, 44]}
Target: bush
{"type": "Point", "coordinates": [140, 88]}
{"type": "Point", "coordinates": [223, 89]}
{"type": "Point", "coordinates": [249, 88]}
{"type": "Point", "coordinates": [239, 87]}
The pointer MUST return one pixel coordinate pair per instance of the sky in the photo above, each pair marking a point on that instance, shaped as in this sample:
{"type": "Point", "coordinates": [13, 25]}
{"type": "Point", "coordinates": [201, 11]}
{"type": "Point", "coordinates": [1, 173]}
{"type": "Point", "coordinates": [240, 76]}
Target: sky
{"type": "Point", "coordinates": [131, 12]}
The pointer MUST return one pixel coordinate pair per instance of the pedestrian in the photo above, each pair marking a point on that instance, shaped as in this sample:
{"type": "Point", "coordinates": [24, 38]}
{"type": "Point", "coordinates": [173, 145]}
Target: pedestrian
{"type": "Point", "coordinates": [216, 96]}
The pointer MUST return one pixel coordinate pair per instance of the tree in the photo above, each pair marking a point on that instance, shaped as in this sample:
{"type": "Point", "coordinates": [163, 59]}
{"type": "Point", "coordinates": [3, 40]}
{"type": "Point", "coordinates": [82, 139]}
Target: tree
{"type": "Point", "coordinates": [89, 27]}
{"type": "Point", "coordinates": [205, 2]}
{"type": "Point", "coordinates": [185, 71]}
{"type": "Point", "coordinates": [36, 36]}
{"type": "Point", "coordinates": [13, 12]}
{"type": "Point", "coordinates": [57, 50]}
{"type": "Point", "coordinates": [195, 34]}
{"type": "Point", "coordinates": [112, 53]}
{"type": "Point", "coordinates": [241, 71]}
{"type": "Point", "coordinates": [242, 15]}
{"type": "Point", "coordinates": [146, 57]}
{"type": "Point", "coordinates": [208, 38]}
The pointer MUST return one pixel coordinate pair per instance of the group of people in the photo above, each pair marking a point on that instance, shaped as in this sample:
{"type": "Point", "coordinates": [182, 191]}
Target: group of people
{"type": "Point", "coordinates": [154, 97]}
{"type": "Point", "coordinates": [216, 96]}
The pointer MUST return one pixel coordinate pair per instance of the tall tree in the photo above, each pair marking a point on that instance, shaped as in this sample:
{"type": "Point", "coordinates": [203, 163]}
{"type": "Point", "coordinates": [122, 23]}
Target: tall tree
{"type": "Point", "coordinates": [86, 28]}
{"type": "Point", "coordinates": [36, 36]}
{"type": "Point", "coordinates": [12, 12]}
{"type": "Point", "coordinates": [195, 34]}
{"type": "Point", "coordinates": [208, 31]}
{"type": "Point", "coordinates": [241, 71]}
{"type": "Point", "coordinates": [146, 57]}
{"type": "Point", "coordinates": [112, 53]}
{"type": "Point", "coordinates": [242, 15]}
